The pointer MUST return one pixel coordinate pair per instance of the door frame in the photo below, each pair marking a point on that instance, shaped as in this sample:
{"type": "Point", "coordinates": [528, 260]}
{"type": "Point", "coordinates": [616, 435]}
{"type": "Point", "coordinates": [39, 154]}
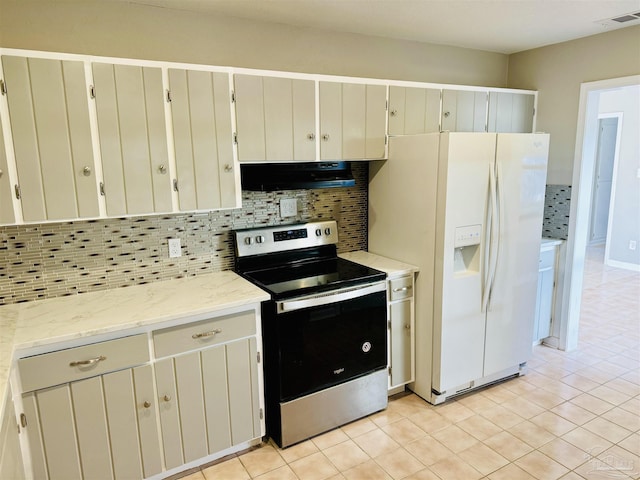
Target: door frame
{"type": "Point", "coordinates": [580, 208]}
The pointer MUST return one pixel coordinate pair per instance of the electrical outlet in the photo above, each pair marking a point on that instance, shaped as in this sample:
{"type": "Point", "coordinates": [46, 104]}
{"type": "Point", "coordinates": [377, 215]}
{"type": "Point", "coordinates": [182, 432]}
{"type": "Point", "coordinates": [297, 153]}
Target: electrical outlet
{"type": "Point", "coordinates": [632, 244]}
{"type": "Point", "coordinates": [288, 207]}
{"type": "Point", "coordinates": [174, 248]}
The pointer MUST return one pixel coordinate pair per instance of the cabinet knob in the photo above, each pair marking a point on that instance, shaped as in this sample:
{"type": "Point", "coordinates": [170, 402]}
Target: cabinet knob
{"type": "Point", "coordinates": [228, 168]}
{"type": "Point", "coordinates": [393, 112]}
{"type": "Point", "coordinates": [146, 404]}
{"type": "Point", "coordinates": [446, 114]}
{"type": "Point", "coordinates": [86, 171]}
{"type": "Point", "coordinates": [162, 169]}
{"type": "Point", "coordinates": [325, 137]}
{"type": "Point", "coordinates": [167, 398]}
{"type": "Point", "coordinates": [1, 172]}
{"type": "Point", "coordinates": [407, 326]}
{"type": "Point", "coordinates": [311, 136]}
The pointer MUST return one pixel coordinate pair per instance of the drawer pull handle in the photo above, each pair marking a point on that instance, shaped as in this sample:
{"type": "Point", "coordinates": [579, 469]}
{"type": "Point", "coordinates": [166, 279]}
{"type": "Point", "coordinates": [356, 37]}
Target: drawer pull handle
{"type": "Point", "coordinates": [85, 363]}
{"type": "Point", "coordinates": [210, 333]}
{"type": "Point", "coordinates": [403, 289]}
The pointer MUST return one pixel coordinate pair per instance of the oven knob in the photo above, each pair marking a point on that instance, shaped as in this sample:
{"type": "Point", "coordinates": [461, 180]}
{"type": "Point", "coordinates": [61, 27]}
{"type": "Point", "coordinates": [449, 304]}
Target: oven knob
{"type": "Point", "coordinates": [366, 346]}
{"type": "Point", "coordinates": [318, 232]}
{"type": "Point", "coordinates": [248, 240]}
{"type": "Point", "coordinates": [327, 231]}
{"type": "Point", "coordinates": [259, 239]}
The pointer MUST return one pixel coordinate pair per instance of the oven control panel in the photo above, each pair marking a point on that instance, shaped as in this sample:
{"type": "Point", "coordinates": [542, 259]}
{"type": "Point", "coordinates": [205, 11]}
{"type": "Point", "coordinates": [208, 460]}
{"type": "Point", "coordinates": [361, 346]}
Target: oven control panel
{"type": "Point", "coordinates": [285, 237]}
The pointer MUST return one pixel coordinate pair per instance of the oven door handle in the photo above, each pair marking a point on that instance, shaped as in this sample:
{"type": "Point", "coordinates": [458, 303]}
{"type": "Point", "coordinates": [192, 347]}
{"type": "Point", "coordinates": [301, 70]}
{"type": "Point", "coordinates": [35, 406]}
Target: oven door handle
{"type": "Point", "coordinates": [329, 297]}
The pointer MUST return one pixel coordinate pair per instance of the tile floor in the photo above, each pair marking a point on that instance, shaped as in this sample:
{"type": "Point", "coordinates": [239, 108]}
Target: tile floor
{"type": "Point", "coordinates": [574, 415]}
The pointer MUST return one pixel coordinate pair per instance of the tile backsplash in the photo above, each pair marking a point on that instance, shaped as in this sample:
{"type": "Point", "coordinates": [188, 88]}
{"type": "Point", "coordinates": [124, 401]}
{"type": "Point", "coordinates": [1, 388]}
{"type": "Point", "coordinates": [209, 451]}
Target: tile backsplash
{"type": "Point", "coordinates": [557, 202]}
{"type": "Point", "coordinates": [56, 259]}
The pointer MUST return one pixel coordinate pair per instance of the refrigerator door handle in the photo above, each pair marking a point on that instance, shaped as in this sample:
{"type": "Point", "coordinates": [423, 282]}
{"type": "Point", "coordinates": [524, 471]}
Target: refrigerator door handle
{"type": "Point", "coordinates": [492, 228]}
{"type": "Point", "coordinates": [496, 230]}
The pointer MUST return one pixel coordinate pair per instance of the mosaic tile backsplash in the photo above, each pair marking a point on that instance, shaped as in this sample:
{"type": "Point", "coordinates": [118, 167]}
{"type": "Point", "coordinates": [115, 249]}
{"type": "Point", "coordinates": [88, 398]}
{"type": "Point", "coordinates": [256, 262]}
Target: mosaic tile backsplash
{"type": "Point", "coordinates": [53, 260]}
{"type": "Point", "coordinates": [556, 211]}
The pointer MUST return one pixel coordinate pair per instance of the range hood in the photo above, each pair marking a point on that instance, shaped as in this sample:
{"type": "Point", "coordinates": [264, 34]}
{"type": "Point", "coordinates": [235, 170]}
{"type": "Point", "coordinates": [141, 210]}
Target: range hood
{"type": "Point", "coordinates": [293, 176]}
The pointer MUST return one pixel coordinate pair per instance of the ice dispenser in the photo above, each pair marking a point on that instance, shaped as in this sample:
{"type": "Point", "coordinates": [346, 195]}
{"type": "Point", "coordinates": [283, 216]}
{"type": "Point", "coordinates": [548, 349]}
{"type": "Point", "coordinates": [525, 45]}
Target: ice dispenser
{"type": "Point", "coordinates": [466, 251]}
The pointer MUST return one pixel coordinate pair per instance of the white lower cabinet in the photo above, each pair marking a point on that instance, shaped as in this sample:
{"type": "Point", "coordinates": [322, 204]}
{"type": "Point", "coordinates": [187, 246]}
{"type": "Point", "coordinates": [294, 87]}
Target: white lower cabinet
{"type": "Point", "coordinates": [545, 295]}
{"type": "Point", "coordinates": [11, 463]}
{"type": "Point", "coordinates": [401, 331]}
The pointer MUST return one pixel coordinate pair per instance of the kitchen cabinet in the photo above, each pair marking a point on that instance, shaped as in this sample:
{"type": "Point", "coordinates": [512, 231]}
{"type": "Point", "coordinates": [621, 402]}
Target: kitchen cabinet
{"type": "Point", "coordinates": [401, 331]}
{"type": "Point", "coordinates": [133, 138]}
{"type": "Point", "coordinates": [11, 466]}
{"type": "Point", "coordinates": [511, 112]}
{"type": "Point", "coordinates": [413, 110]}
{"type": "Point", "coordinates": [7, 213]}
{"type": "Point", "coordinates": [276, 119]}
{"type": "Point", "coordinates": [545, 294]}
{"type": "Point", "coordinates": [208, 386]}
{"type": "Point", "coordinates": [206, 176]}
{"type": "Point", "coordinates": [464, 111]}
{"type": "Point", "coordinates": [352, 121]}
{"type": "Point", "coordinates": [51, 135]}
{"type": "Point", "coordinates": [92, 426]}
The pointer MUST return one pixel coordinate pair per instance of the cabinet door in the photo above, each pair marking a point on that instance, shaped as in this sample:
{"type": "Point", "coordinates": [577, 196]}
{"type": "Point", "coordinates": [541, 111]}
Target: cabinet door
{"type": "Point", "coordinates": [203, 139]}
{"type": "Point", "coordinates": [11, 462]}
{"type": "Point", "coordinates": [133, 139]}
{"type": "Point", "coordinates": [169, 414]}
{"type": "Point", "coordinates": [7, 215]}
{"type": "Point", "coordinates": [49, 114]}
{"type": "Point", "coordinates": [544, 305]}
{"type": "Point", "coordinates": [413, 110]}
{"type": "Point", "coordinates": [401, 344]}
{"type": "Point", "coordinates": [275, 118]}
{"type": "Point", "coordinates": [464, 111]}
{"type": "Point", "coordinates": [242, 375]}
{"type": "Point", "coordinates": [511, 112]}
{"type": "Point", "coordinates": [352, 121]}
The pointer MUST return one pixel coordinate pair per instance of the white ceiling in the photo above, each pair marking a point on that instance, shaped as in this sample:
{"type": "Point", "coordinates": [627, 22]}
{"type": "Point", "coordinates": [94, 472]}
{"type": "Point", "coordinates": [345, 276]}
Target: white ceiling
{"type": "Point", "coordinates": [504, 26]}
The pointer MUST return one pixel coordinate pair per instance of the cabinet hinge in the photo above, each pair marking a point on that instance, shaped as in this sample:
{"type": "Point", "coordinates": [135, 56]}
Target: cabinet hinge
{"type": "Point", "coordinates": [386, 105]}
{"type": "Point", "coordinates": [169, 99]}
{"type": "Point", "coordinates": [16, 188]}
{"type": "Point", "coordinates": [258, 357]}
{"type": "Point", "coordinates": [534, 112]}
{"type": "Point", "coordinates": [385, 139]}
{"type": "Point", "coordinates": [23, 420]}
{"type": "Point", "coordinates": [389, 324]}
{"type": "Point", "coordinates": [175, 184]}
{"type": "Point", "coordinates": [102, 189]}
{"type": "Point", "coordinates": [92, 91]}
{"type": "Point", "coordinates": [3, 87]}
{"type": "Point", "coordinates": [235, 138]}
{"type": "Point", "coordinates": [233, 96]}
{"type": "Point", "coordinates": [261, 414]}
{"type": "Point", "coordinates": [389, 371]}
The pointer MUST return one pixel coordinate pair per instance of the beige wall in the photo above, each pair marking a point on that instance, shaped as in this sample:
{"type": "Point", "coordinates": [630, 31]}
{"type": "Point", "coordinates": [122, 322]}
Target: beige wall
{"type": "Point", "coordinates": [557, 71]}
{"type": "Point", "coordinates": [123, 30]}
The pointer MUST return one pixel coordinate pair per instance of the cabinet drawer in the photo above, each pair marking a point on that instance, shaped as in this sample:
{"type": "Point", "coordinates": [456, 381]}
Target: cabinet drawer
{"type": "Point", "coordinates": [72, 364]}
{"type": "Point", "coordinates": [400, 288]}
{"type": "Point", "coordinates": [174, 340]}
{"type": "Point", "coordinates": [547, 259]}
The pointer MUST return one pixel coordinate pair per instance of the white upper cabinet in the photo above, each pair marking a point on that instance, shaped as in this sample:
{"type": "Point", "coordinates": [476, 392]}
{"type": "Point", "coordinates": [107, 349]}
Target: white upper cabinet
{"type": "Point", "coordinates": [7, 215]}
{"type": "Point", "coordinates": [464, 111]}
{"type": "Point", "coordinates": [511, 112]}
{"type": "Point", "coordinates": [133, 139]}
{"type": "Point", "coordinates": [352, 121]}
{"type": "Point", "coordinates": [275, 119]}
{"type": "Point", "coordinates": [49, 115]}
{"type": "Point", "coordinates": [203, 140]}
{"type": "Point", "coordinates": [413, 110]}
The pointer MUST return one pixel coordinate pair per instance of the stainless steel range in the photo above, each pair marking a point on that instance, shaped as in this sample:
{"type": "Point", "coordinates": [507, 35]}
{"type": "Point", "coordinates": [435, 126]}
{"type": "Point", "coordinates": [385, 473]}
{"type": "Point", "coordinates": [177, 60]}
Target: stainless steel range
{"type": "Point", "coordinates": [324, 329]}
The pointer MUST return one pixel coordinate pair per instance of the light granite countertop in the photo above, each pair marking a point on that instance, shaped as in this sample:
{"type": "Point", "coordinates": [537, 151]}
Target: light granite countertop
{"type": "Point", "coordinates": [47, 322]}
{"type": "Point", "coordinates": [393, 268]}
{"type": "Point", "coordinates": [549, 243]}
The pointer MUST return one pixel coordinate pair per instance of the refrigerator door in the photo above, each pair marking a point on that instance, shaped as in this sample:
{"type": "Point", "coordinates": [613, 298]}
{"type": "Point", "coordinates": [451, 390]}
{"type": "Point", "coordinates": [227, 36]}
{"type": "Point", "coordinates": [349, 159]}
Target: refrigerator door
{"type": "Point", "coordinates": [465, 163]}
{"type": "Point", "coordinates": [521, 170]}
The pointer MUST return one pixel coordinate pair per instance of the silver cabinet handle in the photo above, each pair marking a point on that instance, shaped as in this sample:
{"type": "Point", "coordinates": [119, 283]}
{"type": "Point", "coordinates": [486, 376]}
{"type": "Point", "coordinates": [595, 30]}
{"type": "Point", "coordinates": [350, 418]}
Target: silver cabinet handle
{"type": "Point", "coordinates": [311, 136]}
{"type": "Point", "coordinates": [402, 289]}
{"type": "Point", "coordinates": [325, 137]}
{"type": "Point", "coordinates": [393, 112]}
{"type": "Point", "coordinates": [85, 363]}
{"type": "Point", "coordinates": [86, 171]}
{"type": "Point", "coordinates": [162, 169]}
{"type": "Point", "coordinates": [228, 168]}
{"type": "Point", "coordinates": [167, 398]}
{"type": "Point", "coordinates": [210, 333]}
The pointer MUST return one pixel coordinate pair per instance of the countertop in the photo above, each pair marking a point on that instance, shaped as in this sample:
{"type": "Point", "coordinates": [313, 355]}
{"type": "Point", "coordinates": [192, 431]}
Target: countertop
{"type": "Point", "coordinates": [46, 322]}
{"type": "Point", "coordinates": [548, 243]}
{"type": "Point", "coordinates": [393, 268]}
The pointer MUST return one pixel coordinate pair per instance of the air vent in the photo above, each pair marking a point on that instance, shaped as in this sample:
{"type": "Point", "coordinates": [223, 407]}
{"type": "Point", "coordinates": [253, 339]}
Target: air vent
{"type": "Point", "coordinates": [626, 19]}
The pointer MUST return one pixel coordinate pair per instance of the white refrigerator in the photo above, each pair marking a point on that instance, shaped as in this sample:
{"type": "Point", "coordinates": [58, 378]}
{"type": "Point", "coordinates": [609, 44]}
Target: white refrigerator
{"type": "Point", "coordinates": [466, 208]}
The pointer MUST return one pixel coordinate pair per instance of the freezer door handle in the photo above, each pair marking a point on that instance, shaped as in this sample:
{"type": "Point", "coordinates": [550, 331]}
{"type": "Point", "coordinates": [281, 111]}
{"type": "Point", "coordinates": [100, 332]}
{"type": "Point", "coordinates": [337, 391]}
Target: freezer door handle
{"type": "Point", "coordinates": [493, 232]}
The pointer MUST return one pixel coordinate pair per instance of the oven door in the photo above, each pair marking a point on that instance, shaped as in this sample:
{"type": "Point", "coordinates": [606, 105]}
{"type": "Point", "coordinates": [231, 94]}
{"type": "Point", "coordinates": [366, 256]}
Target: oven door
{"type": "Point", "coordinates": [330, 338]}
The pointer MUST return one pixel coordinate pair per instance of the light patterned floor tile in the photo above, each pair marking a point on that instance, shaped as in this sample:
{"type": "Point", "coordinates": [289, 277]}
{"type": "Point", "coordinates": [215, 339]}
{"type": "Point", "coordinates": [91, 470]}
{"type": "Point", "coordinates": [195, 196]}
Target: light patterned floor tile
{"type": "Point", "coordinates": [508, 446]}
{"type": "Point", "coordinates": [301, 450]}
{"type": "Point", "coordinates": [428, 450]}
{"type": "Point", "coordinates": [261, 460]}
{"type": "Point", "coordinates": [404, 431]}
{"type": "Point", "coordinates": [455, 439]}
{"type": "Point", "coordinates": [369, 470]}
{"type": "Point", "coordinates": [483, 458]}
{"type": "Point", "coordinates": [330, 439]}
{"type": "Point", "coordinates": [607, 430]}
{"type": "Point", "coordinates": [399, 463]}
{"type": "Point", "coordinates": [376, 443]}
{"type": "Point", "coordinates": [587, 441]}
{"type": "Point", "coordinates": [313, 467]}
{"type": "Point", "coordinates": [511, 472]}
{"type": "Point", "coordinates": [479, 427]}
{"type": "Point", "coordinates": [346, 455]}
{"type": "Point", "coordinates": [564, 453]}
{"type": "Point", "coordinates": [282, 473]}
{"type": "Point", "coordinates": [231, 469]}
{"type": "Point", "coordinates": [430, 421]}
{"type": "Point", "coordinates": [532, 434]}
{"type": "Point", "coordinates": [553, 423]}
{"type": "Point", "coordinates": [455, 468]}
{"type": "Point", "coordinates": [541, 466]}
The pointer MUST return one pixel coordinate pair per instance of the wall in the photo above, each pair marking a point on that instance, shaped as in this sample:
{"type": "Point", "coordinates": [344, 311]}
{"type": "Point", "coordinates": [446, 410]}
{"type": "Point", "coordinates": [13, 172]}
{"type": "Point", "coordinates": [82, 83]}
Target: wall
{"type": "Point", "coordinates": [119, 29]}
{"type": "Point", "coordinates": [557, 71]}
{"type": "Point", "coordinates": [625, 201]}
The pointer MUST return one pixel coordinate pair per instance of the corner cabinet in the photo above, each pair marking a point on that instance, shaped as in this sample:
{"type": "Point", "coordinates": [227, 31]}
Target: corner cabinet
{"type": "Point", "coordinates": [111, 409]}
{"type": "Point", "coordinates": [401, 331]}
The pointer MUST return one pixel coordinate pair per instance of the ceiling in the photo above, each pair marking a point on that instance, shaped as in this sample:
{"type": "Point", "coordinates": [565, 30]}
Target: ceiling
{"type": "Point", "coordinates": [503, 26]}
